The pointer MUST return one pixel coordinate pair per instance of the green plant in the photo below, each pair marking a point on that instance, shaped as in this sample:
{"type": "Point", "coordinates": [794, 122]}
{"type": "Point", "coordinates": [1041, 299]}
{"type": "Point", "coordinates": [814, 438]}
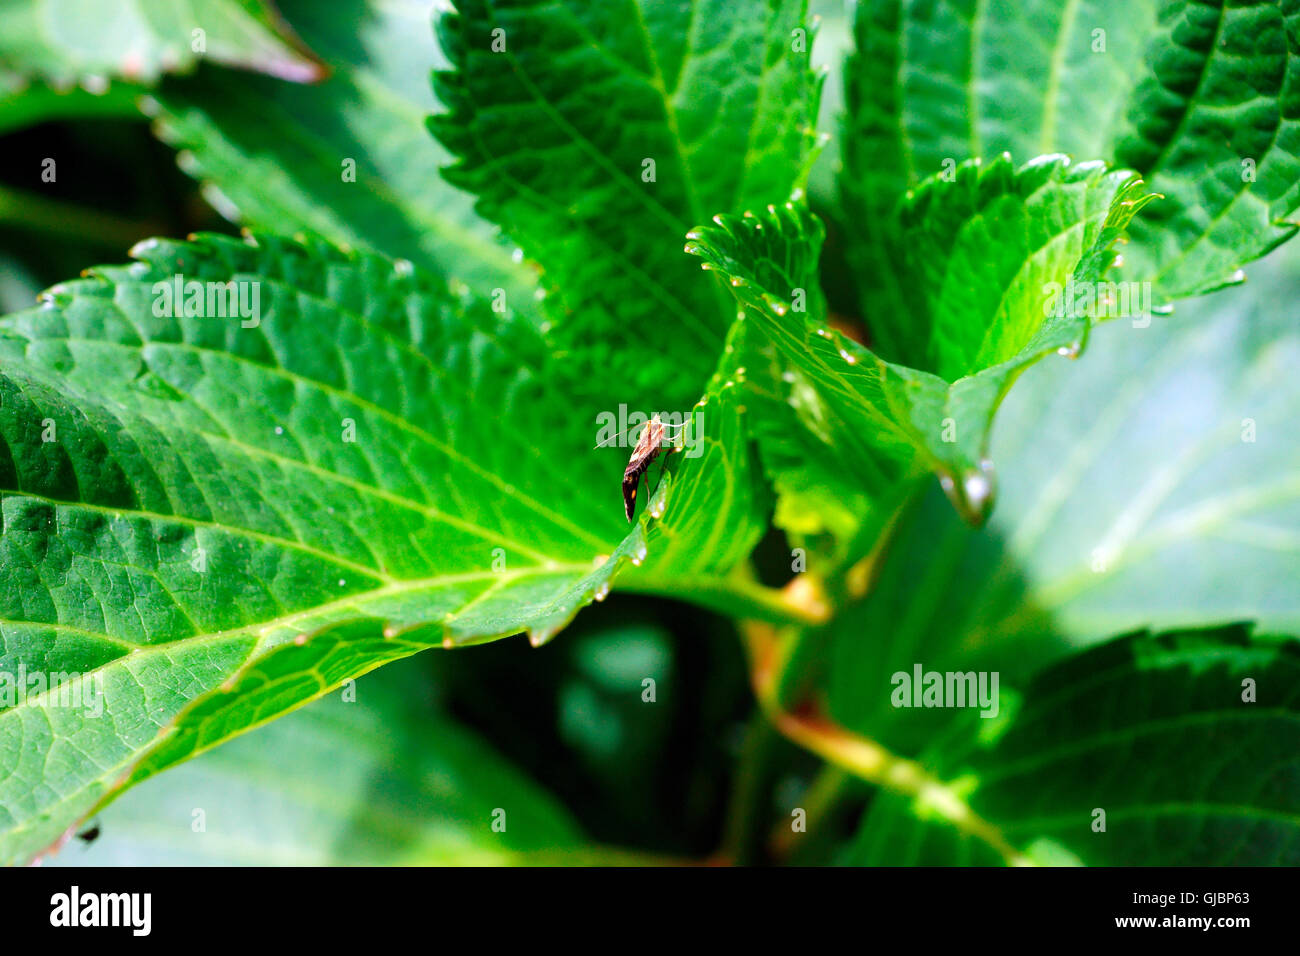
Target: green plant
{"type": "Point", "coordinates": [383, 442]}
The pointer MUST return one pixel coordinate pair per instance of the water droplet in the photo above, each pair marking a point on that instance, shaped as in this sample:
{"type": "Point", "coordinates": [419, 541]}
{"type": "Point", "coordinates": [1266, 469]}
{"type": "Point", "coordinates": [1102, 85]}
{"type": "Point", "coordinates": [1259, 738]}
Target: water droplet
{"type": "Point", "coordinates": [403, 267]}
{"type": "Point", "coordinates": [977, 487]}
{"type": "Point", "coordinates": [602, 592]}
{"type": "Point", "coordinates": [973, 496]}
{"type": "Point", "coordinates": [279, 430]}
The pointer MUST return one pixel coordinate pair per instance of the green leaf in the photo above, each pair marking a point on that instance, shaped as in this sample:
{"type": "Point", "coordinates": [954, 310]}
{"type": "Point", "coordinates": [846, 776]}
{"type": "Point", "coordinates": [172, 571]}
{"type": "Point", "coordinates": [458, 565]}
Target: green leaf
{"type": "Point", "coordinates": [377, 777]}
{"type": "Point", "coordinates": [66, 40]}
{"type": "Point", "coordinates": [597, 134]}
{"type": "Point", "coordinates": [983, 251]}
{"type": "Point", "coordinates": [826, 471]}
{"type": "Point", "coordinates": [210, 519]}
{"type": "Point", "coordinates": [347, 159]}
{"type": "Point", "coordinates": [25, 103]}
{"type": "Point", "coordinates": [825, 478]}
{"type": "Point", "coordinates": [1198, 97]}
{"type": "Point", "coordinates": [834, 24]}
{"type": "Point", "coordinates": [1152, 486]}
{"type": "Point", "coordinates": [1156, 732]}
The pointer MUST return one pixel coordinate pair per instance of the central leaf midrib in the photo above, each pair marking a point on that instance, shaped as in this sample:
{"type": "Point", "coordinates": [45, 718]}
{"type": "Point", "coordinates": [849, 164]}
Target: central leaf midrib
{"type": "Point", "coordinates": [617, 176]}
{"type": "Point", "coordinates": [1047, 134]}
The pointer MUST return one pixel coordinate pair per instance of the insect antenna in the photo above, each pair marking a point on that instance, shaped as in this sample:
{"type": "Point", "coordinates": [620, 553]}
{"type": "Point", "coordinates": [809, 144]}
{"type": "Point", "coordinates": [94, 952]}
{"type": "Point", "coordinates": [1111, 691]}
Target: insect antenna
{"type": "Point", "coordinates": [611, 438]}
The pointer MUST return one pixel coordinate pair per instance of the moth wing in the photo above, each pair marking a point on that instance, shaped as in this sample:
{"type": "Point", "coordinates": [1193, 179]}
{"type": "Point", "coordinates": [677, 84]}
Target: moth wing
{"type": "Point", "coordinates": [631, 479]}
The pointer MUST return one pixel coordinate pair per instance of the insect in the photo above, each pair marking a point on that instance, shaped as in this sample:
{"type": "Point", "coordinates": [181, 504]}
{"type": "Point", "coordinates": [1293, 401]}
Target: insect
{"type": "Point", "coordinates": [648, 445]}
{"type": "Point", "coordinates": [90, 834]}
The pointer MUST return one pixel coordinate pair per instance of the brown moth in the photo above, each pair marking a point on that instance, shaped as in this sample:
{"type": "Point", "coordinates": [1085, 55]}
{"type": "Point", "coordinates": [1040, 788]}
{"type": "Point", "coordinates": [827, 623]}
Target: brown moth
{"type": "Point", "coordinates": [653, 440]}
{"type": "Point", "coordinates": [646, 450]}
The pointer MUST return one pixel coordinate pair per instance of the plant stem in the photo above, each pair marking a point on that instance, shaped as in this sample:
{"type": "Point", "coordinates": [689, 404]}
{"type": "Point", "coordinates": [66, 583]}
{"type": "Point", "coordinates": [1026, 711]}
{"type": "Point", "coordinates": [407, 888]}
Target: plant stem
{"type": "Point", "coordinates": [782, 661]}
{"type": "Point", "coordinates": [868, 760]}
{"type": "Point", "coordinates": [823, 795]}
{"type": "Point", "coordinates": [736, 593]}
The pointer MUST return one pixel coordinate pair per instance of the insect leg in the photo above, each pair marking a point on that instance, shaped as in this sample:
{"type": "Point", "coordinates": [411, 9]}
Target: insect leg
{"type": "Point", "coordinates": [662, 465]}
